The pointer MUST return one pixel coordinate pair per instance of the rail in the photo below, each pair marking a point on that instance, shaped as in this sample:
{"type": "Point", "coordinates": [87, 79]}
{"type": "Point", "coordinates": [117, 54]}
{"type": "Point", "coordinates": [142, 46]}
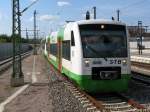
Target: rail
{"type": "Point", "coordinates": [4, 65]}
{"type": "Point", "coordinates": [140, 72]}
{"type": "Point", "coordinates": [10, 59]}
{"type": "Point", "coordinates": [94, 104]}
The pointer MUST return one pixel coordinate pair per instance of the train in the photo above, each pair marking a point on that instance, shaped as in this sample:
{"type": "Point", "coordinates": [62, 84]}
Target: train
{"type": "Point", "coordinates": [92, 53]}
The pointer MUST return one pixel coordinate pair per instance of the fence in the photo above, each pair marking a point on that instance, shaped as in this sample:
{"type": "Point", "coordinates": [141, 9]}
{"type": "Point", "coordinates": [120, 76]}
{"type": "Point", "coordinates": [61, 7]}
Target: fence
{"type": "Point", "coordinates": [6, 50]}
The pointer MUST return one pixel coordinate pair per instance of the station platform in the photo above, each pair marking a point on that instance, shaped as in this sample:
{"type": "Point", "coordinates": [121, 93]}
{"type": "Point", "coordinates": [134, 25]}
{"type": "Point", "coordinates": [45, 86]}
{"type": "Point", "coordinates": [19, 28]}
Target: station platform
{"type": "Point", "coordinates": [144, 58]}
{"type": "Point", "coordinates": [31, 97]}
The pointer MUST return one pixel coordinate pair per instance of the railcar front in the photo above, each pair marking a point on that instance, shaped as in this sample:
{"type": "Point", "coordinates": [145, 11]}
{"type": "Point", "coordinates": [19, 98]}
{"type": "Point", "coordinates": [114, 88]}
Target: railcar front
{"type": "Point", "coordinates": [105, 59]}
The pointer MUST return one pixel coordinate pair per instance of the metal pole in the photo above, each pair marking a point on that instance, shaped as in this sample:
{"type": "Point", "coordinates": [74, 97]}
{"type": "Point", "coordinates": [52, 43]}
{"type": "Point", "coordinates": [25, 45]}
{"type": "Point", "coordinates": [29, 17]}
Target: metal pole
{"type": "Point", "coordinates": [27, 36]}
{"type": "Point", "coordinates": [146, 27]}
{"type": "Point", "coordinates": [94, 12]}
{"type": "Point", "coordinates": [118, 15]}
{"type": "Point", "coordinates": [138, 42]}
{"type": "Point", "coordinates": [35, 33]}
{"type": "Point", "coordinates": [140, 36]}
{"type": "Point", "coordinates": [17, 78]}
{"type": "Point", "coordinates": [37, 36]}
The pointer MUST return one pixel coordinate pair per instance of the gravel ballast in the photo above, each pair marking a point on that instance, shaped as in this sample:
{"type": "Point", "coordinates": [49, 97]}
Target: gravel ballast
{"type": "Point", "coordinates": [62, 99]}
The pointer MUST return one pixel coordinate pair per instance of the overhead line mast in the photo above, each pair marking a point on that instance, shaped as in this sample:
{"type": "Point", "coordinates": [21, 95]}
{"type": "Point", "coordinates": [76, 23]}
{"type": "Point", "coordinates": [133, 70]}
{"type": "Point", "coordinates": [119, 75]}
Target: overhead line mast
{"type": "Point", "coordinates": [17, 77]}
{"type": "Point", "coordinates": [35, 33]}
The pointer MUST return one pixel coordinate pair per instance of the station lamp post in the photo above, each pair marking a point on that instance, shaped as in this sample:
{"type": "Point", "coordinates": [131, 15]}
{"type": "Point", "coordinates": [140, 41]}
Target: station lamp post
{"type": "Point", "coordinates": [17, 77]}
{"type": "Point", "coordinates": [35, 34]}
{"type": "Point", "coordinates": [140, 37]}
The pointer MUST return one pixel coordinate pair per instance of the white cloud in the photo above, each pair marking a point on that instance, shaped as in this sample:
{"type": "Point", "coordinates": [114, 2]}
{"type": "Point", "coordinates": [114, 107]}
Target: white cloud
{"type": "Point", "coordinates": [33, 0]}
{"type": "Point", "coordinates": [45, 17]}
{"type": "Point", "coordinates": [62, 3]}
{"type": "Point", "coordinates": [48, 17]}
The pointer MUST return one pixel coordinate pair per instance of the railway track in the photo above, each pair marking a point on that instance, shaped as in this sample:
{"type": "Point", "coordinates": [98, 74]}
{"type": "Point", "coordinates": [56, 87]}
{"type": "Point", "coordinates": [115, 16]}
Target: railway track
{"type": "Point", "coordinates": [4, 65]}
{"type": "Point", "coordinates": [116, 102]}
{"type": "Point", "coordinates": [140, 78]}
{"type": "Point", "coordinates": [139, 64]}
{"type": "Point", "coordinates": [140, 72]}
{"type": "Point", "coordinates": [113, 102]}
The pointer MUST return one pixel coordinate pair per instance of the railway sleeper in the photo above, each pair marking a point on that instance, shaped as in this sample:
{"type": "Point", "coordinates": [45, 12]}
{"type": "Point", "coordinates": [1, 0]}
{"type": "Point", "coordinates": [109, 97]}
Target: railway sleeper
{"type": "Point", "coordinates": [123, 110]}
{"type": "Point", "coordinates": [118, 105]}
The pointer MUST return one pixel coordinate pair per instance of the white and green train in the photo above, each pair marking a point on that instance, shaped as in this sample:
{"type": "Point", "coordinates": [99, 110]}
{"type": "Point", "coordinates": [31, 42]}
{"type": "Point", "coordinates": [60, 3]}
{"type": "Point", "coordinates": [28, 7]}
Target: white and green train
{"type": "Point", "coordinates": [92, 53]}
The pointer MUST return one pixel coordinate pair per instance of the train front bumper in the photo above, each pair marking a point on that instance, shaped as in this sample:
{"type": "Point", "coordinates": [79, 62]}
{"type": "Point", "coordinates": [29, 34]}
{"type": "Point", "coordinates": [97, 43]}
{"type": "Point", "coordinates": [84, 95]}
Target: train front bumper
{"type": "Point", "coordinates": [120, 85]}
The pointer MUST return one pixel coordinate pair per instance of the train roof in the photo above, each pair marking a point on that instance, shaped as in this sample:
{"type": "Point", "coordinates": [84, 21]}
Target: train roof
{"type": "Point", "coordinates": [98, 21]}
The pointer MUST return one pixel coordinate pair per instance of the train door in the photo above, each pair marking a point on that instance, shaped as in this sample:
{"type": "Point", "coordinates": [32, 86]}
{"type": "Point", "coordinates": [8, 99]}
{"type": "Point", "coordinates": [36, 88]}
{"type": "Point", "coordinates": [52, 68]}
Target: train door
{"type": "Point", "coordinates": [59, 54]}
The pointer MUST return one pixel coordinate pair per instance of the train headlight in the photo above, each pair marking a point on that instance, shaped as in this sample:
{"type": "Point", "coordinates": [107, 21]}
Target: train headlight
{"type": "Point", "coordinates": [102, 26]}
{"type": "Point", "coordinates": [124, 62]}
{"type": "Point", "coordinates": [87, 63]}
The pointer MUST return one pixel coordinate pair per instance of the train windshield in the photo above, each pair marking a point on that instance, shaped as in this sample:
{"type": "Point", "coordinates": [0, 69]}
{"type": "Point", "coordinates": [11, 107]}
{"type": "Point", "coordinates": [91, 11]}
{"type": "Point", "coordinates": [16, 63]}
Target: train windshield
{"type": "Point", "coordinates": [103, 41]}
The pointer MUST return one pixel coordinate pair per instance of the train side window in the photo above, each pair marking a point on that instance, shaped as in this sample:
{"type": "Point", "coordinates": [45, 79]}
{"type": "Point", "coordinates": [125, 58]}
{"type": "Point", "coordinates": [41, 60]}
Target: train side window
{"type": "Point", "coordinates": [66, 49]}
{"type": "Point", "coordinates": [72, 39]}
{"type": "Point", "coordinates": [53, 49]}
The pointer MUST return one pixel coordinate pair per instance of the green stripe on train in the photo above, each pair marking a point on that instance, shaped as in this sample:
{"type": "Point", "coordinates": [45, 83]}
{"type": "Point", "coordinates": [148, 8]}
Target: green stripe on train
{"type": "Point", "coordinates": [86, 83]}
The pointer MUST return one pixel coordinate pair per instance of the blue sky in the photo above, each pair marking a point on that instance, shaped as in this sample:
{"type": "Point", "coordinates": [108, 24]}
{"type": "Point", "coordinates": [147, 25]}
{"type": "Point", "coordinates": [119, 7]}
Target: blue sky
{"type": "Point", "coordinates": [53, 13]}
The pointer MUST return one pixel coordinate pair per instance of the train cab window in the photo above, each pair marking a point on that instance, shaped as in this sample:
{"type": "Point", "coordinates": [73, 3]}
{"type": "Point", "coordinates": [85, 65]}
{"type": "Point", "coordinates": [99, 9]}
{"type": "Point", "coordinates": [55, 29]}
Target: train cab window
{"type": "Point", "coordinates": [100, 41]}
{"type": "Point", "coordinates": [72, 39]}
